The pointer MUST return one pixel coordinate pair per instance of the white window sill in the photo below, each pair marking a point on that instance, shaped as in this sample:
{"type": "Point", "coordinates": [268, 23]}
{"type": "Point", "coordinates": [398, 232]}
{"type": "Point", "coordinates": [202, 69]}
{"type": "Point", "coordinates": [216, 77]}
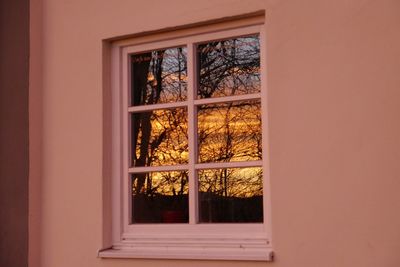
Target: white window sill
{"type": "Point", "coordinates": [247, 242]}
{"type": "Point", "coordinates": [194, 251]}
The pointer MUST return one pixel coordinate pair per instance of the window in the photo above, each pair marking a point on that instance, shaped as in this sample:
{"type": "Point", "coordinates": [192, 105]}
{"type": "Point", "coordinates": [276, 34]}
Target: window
{"type": "Point", "coordinates": [190, 157]}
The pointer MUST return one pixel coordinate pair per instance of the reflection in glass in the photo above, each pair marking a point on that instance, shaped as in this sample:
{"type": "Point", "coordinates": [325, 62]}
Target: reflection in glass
{"type": "Point", "coordinates": [229, 67]}
{"type": "Point", "coordinates": [159, 137]}
{"type": "Point", "coordinates": [229, 132]}
{"type": "Point", "coordinates": [231, 195]}
{"type": "Point", "coordinates": [160, 197]}
{"type": "Point", "coordinates": [159, 76]}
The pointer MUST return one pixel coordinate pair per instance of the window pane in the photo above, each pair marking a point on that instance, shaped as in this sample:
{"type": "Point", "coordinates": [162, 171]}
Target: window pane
{"type": "Point", "coordinates": [159, 77]}
{"type": "Point", "coordinates": [231, 195]}
{"type": "Point", "coordinates": [229, 132]}
{"type": "Point", "coordinates": [160, 197]}
{"type": "Point", "coordinates": [159, 137]}
{"type": "Point", "coordinates": [229, 67]}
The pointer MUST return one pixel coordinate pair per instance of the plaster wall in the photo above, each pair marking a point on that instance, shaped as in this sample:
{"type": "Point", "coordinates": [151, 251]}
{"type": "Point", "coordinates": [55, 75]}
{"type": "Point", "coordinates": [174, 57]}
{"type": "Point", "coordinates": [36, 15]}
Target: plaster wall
{"type": "Point", "coordinates": [334, 105]}
{"type": "Point", "coordinates": [14, 159]}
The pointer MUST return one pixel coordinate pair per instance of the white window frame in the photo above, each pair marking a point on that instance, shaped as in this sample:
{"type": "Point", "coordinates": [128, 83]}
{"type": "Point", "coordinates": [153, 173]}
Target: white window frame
{"type": "Point", "coordinates": [221, 241]}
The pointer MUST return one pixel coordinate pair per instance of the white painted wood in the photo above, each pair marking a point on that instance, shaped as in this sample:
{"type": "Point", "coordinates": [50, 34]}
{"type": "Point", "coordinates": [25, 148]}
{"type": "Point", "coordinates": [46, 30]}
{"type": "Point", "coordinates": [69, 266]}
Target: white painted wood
{"type": "Point", "coordinates": [148, 47]}
{"type": "Point", "coordinates": [247, 231]}
{"type": "Point", "coordinates": [144, 108]}
{"type": "Point", "coordinates": [248, 241]}
{"type": "Point", "coordinates": [192, 129]}
{"type": "Point", "coordinates": [158, 168]}
{"type": "Point", "coordinates": [233, 164]}
{"type": "Point", "coordinates": [191, 252]}
{"type": "Point", "coordinates": [265, 135]}
{"type": "Point", "coordinates": [197, 38]}
{"type": "Point", "coordinates": [198, 166]}
{"type": "Point", "coordinates": [116, 167]}
{"type": "Point", "coordinates": [227, 99]}
{"type": "Point", "coordinates": [126, 102]}
{"type": "Point", "coordinates": [126, 189]}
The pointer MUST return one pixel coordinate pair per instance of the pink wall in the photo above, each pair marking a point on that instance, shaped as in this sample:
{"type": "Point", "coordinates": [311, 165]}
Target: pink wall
{"type": "Point", "coordinates": [334, 105]}
{"type": "Point", "coordinates": [14, 145]}
{"type": "Point", "coordinates": [35, 131]}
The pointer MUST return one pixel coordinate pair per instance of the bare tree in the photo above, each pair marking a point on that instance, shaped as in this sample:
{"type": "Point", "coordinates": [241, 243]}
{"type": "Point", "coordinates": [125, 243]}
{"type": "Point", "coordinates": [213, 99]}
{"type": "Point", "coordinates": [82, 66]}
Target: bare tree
{"type": "Point", "coordinates": [159, 137]}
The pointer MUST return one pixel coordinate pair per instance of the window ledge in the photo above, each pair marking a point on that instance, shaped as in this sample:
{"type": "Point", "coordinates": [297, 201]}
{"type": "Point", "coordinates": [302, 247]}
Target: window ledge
{"type": "Point", "coordinates": [193, 252]}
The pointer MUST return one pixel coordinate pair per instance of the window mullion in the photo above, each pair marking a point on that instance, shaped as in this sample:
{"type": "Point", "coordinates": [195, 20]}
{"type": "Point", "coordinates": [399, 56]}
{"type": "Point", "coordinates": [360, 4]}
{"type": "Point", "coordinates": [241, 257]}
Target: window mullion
{"type": "Point", "coordinates": [165, 168]}
{"type": "Point", "coordinates": [192, 133]}
{"type": "Point", "coordinates": [231, 164]}
{"type": "Point", "coordinates": [227, 99]}
{"type": "Point", "coordinates": [147, 108]}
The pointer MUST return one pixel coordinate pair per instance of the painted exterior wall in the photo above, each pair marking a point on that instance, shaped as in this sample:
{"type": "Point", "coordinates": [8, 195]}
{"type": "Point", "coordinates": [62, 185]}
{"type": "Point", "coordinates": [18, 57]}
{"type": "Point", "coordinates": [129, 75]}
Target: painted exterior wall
{"type": "Point", "coordinates": [14, 159]}
{"type": "Point", "coordinates": [334, 105]}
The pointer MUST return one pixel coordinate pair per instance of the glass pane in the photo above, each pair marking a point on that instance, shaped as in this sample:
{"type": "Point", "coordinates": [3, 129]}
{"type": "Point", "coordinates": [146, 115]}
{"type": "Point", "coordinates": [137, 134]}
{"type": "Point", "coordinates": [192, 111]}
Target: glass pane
{"type": "Point", "coordinates": [159, 137]}
{"type": "Point", "coordinates": [229, 67]}
{"type": "Point", "coordinates": [159, 77]}
{"type": "Point", "coordinates": [160, 197]}
{"type": "Point", "coordinates": [229, 132]}
{"type": "Point", "coordinates": [231, 195]}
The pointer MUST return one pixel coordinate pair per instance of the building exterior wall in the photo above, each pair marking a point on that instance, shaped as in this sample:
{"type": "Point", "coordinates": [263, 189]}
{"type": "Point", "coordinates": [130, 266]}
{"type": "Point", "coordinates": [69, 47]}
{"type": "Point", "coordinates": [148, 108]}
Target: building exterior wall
{"type": "Point", "coordinates": [35, 131]}
{"type": "Point", "coordinates": [14, 159]}
{"type": "Point", "coordinates": [334, 105]}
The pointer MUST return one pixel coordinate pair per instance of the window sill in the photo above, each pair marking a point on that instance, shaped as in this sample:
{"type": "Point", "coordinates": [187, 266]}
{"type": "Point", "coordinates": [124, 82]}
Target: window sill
{"type": "Point", "coordinates": [247, 242]}
{"type": "Point", "coordinates": [247, 251]}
